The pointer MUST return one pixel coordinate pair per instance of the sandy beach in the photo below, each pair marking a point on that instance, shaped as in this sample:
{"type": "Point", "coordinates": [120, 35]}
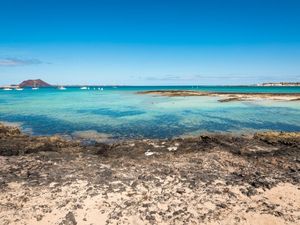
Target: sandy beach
{"type": "Point", "coordinates": [209, 179]}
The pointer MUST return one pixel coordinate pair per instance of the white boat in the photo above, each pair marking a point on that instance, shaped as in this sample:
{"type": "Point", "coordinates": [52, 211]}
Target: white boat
{"type": "Point", "coordinates": [83, 88]}
{"type": "Point", "coordinates": [34, 86]}
{"type": "Point", "coordinates": [62, 88]}
{"type": "Point", "coordinates": [19, 89]}
{"type": "Point", "coordinates": [7, 89]}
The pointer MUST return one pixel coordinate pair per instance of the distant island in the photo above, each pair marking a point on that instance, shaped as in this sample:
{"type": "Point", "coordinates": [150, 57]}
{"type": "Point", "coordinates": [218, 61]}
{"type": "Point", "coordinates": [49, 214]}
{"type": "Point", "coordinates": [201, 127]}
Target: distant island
{"type": "Point", "coordinates": [280, 84]}
{"type": "Point", "coordinates": [34, 83]}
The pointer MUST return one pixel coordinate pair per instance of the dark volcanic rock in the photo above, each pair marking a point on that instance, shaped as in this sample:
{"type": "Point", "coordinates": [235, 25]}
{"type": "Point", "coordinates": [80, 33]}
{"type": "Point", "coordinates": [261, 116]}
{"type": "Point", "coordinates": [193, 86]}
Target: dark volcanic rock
{"type": "Point", "coordinates": [13, 142]}
{"type": "Point", "coordinates": [192, 180]}
{"type": "Point", "coordinates": [8, 131]}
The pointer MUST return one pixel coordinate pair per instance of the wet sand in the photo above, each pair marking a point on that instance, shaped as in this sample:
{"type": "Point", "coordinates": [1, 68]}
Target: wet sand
{"type": "Point", "coordinates": [228, 96]}
{"type": "Point", "coordinates": [209, 179]}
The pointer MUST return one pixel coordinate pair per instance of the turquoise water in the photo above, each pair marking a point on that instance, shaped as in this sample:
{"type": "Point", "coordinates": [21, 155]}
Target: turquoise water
{"type": "Point", "coordinates": [121, 113]}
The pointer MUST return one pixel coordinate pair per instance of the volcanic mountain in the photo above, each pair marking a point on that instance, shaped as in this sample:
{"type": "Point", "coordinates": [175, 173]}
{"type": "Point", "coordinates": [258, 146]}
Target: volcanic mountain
{"type": "Point", "coordinates": [34, 83]}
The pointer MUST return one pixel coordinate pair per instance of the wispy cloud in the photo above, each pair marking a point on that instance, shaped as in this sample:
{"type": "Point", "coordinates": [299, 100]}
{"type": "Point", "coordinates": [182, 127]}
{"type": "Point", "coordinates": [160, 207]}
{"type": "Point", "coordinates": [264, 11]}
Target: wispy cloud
{"type": "Point", "coordinates": [192, 77]}
{"type": "Point", "coordinates": [19, 62]}
{"type": "Point", "coordinates": [221, 79]}
{"type": "Point", "coordinates": [217, 76]}
{"type": "Point", "coordinates": [167, 78]}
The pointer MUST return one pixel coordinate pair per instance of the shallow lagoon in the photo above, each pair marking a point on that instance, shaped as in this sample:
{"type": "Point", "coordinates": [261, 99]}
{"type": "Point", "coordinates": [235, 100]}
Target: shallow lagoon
{"type": "Point", "coordinates": [121, 113]}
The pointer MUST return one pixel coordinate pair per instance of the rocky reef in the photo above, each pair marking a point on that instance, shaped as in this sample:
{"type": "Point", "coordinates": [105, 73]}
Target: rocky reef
{"type": "Point", "coordinates": [227, 96]}
{"type": "Point", "coordinates": [13, 142]}
{"type": "Point", "coordinates": [208, 179]}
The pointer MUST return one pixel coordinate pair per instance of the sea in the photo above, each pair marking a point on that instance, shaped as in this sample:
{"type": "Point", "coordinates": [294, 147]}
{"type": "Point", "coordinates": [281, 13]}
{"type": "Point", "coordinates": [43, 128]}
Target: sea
{"type": "Point", "coordinates": [120, 113]}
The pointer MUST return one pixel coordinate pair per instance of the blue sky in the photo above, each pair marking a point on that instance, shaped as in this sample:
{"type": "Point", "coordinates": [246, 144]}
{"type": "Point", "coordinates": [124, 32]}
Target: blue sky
{"type": "Point", "coordinates": [150, 42]}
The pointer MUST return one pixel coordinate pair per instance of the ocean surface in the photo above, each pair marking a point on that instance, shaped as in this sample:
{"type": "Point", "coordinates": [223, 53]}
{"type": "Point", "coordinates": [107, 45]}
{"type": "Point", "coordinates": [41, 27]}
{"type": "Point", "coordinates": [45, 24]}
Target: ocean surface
{"type": "Point", "coordinates": [119, 113]}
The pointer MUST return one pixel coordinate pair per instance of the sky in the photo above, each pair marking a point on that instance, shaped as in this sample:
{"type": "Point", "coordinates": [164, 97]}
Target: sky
{"type": "Point", "coordinates": [150, 42]}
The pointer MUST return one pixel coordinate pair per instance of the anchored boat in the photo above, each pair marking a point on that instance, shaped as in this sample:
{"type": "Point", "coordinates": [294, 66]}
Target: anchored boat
{"type": "Point", "coordinates": [62, 88]}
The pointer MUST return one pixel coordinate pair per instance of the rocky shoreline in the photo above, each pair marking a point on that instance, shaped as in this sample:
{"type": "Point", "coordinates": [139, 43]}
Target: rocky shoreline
{"type": "Point", "coordinates": [227, 96]}
{"type": "Point", "coordinates": [209, 179]}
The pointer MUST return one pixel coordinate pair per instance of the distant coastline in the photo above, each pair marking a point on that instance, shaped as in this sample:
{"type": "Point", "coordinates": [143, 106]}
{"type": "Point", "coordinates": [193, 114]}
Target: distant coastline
{"type": "Point", "coordinates": [279, 84]}
{"type": "Point", "coordinates": [40, 83]}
